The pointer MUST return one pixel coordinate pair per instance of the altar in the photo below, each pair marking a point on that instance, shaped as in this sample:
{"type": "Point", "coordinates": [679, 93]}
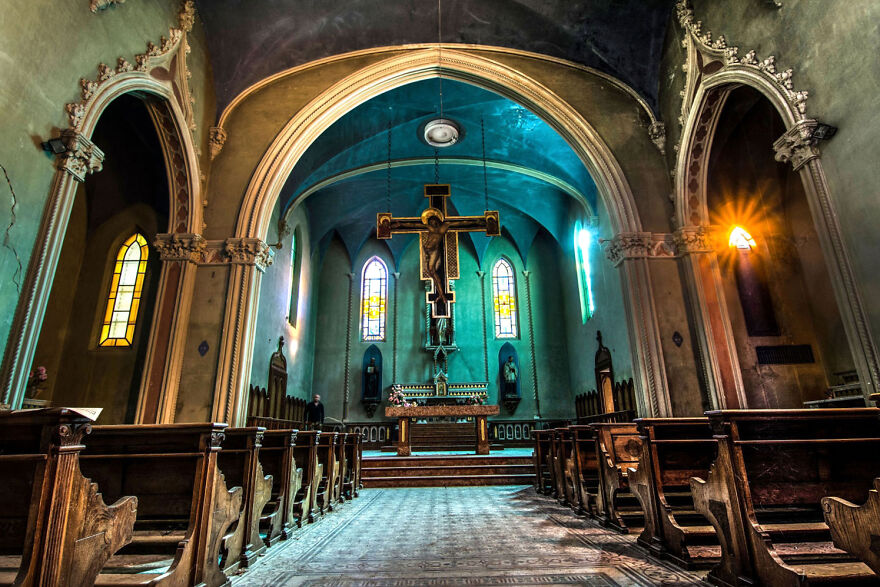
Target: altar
{"type": "Point", "coordinates": [405, 414]}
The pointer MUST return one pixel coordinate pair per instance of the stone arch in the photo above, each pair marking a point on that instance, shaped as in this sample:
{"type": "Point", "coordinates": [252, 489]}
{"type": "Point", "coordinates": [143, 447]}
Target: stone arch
{"type": "Point", "coordinates": [81, 158]}
{"type": "Point", "coordinates": [301, 130]}
{"type": "Point", "coordinates": [722, 72]}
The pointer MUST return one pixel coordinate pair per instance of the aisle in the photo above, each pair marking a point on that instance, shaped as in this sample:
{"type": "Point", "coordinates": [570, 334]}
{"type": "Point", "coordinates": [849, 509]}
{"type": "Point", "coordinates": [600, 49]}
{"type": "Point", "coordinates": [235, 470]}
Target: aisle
{"type": "Point", "coordinates": [458, 536]}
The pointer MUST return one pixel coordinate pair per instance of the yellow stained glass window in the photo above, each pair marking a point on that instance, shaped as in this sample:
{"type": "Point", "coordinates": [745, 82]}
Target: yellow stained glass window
{"type": "Point", "coordinates": [126, 287]}
{"type": "Point", "coordinates": [374, 293]}
{"type": "Point", "coordinates": [504, 299]}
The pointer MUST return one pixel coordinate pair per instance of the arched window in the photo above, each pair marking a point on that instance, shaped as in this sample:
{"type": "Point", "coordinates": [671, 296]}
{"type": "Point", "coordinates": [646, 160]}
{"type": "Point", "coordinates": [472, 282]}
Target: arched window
{"type": "Point", "coordinates": [295, 265]}
{"type": "Point", "coordinates": [374, 294]}
{"type": "Point", "coordinates": [504, 299]}
{"type": "Point", "coordinates": [583, 238]}
{"type": "Point", "coordinates": [126, 287]}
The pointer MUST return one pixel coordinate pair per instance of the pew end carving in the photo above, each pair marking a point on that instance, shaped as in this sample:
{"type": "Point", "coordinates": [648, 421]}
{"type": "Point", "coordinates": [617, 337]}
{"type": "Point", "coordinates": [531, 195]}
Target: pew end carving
{"type": "Point", "coordinates": [856, 528]}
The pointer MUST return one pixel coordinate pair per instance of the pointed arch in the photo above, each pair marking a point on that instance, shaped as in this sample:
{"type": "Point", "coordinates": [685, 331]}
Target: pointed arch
{"type": "Point", "coordinates": [374, 299]}
{"type": "Point", "coordinates": [504, 301]}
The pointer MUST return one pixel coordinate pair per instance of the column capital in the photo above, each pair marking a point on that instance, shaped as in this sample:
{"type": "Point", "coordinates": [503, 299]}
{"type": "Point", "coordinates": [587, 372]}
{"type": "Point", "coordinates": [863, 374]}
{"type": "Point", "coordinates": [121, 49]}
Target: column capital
{"type": "Point", "coordinates": [638, 245]}
{"type": "Point", "coordinates": [81, 156]}
{"type": "Point", "coordinates": [180, 246]}
{"type": "Point", "coordinates": [693, 239]}
{"type": "Point", "coordinates": [796, 145]}
{"type": "Point", "coordinates": [249, 251]}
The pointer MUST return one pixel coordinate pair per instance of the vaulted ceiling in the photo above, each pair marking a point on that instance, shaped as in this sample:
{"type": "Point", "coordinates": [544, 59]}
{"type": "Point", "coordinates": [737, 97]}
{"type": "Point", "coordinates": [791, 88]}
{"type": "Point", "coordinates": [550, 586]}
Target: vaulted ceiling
{"type": "Point", "coordinates": [532, 176]}
{"type": "Point", "coordinates": [252, 39]}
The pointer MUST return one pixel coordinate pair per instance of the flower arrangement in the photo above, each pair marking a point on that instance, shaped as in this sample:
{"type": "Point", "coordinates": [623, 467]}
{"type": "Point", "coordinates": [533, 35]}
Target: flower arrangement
{"type": "Point", "coordinates": [396, 398]}
{"type": "Point", "coordinates": [36, 380]}
{"type": "Point", "coordinates": [478, 399]}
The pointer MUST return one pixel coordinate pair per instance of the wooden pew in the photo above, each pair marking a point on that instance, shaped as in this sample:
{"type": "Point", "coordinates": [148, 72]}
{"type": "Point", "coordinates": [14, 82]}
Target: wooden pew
{"type": "Point", "coordinates": [673, 451]}
{"type": "Point", "coordinates": [329, 467]}
{"type": "Point", "coordinates": [239, 460]}
{"type": "Point", "coordinates": [566, 493]}
{"type": "Point", "coordinates": [57, 529]}
{"type": "Point", "coordinates": [306, 454]}
{"type": "Point", "coordinates": [353, 451]}
{"type": "Point", "coordinates": [342, 464]}
{"type": "Point", "coordinates": [184, 506]}
{"type": "Point", "coordinates": [586, 469]}
{"type": "Point", "coordinates": [854, 528]}
{"type": "Point", "coordinates": [618, 449]}
{"type": "Point", "coordinates": [277, 457]}
{"type": "Point", "coordinates": [764, 489]}
{"type": "Point", "coordinates": [541, 459]}
{"type": "Point", "coordinates": [555, 466]}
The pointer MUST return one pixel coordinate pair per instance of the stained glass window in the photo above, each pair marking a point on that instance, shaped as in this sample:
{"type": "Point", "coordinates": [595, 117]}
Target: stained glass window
{"type": "Point", "coordinates": [504, 299]}
{"type": "Point", "coordinates": [295, 261]}
{"type": "Point", "coordinates": [126, 287]}
{"type": "Point", "coordinates": [583, 238]}
{"type": "Point", "coordinates": [374, 294]}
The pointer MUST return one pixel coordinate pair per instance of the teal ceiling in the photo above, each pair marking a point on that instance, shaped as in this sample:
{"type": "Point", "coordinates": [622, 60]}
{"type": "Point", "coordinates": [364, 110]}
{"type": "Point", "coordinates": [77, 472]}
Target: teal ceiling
{"type": "Point", "coordinates": [534, 178]}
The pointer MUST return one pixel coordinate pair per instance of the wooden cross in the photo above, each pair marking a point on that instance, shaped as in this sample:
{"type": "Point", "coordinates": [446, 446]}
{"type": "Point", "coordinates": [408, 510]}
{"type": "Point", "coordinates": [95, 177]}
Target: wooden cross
{"type": "Point", "coordinates": [438, 242]}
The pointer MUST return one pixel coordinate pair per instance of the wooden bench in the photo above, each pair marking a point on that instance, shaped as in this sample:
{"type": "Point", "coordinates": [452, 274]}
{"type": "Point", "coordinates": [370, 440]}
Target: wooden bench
{"type": "Point", "coordinates": [353, 451]}
{"type": "Point", "coordinates": [184, 505]}
{"type": "Point", "coordinates": [306, 454]}
{"type": "Point", "coordinates": [764, 490]}
{"type": "Point", "coordinates": [553, 463]}
{"type": "Point", "coordinates": [586, 469]}
{"type": "Point", "coordinates": [329, 469]}
{"type": "Point", "coordinates": [673, 451]}
{"type": "Point", "coordinates": [855, 528]}
{"type": "Point", "coordinates": [618, 448]}
{"type": "Point", "coordinates": [277, 458]}
{"type": "Point", "coordinates": [564, 457]}
{"type": "Point", "coordinates": [543, 473]}
{"type": "Point", "coordinates": [342, 464]}
{"type": "Point", "coordinates": [56, 528]}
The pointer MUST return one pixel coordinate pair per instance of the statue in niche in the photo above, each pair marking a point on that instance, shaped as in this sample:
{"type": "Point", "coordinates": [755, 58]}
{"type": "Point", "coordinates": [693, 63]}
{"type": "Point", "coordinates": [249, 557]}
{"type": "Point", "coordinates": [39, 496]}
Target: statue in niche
{"type": "Point", "coordinates": [371, 380]}
{"type": "Point", "coordinates": [509, 375]}
{"type": "Point", "coordinates": [441, 332]}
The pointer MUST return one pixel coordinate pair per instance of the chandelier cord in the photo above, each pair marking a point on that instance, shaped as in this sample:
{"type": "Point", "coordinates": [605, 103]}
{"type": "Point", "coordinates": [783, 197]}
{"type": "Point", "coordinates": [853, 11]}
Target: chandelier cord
{"type": "Point", "coordinates": [440, 53]}
{"type": "Point", "coordinates": [388, 169]}
{"type": "Point", "coordinates": [485, 172]}
{"type": "Point", "coordinates": [436, 165]}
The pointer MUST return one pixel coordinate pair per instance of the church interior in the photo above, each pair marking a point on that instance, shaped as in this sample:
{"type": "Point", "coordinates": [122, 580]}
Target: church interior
{"type": "Point", "coordinates": [439, 292]}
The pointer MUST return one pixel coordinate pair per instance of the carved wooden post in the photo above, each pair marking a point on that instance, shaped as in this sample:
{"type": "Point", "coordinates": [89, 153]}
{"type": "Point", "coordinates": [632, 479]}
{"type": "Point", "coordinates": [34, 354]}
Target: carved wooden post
{"type": "Point", "coordinates": [482, 435]}
{"type": "Point", "coordinates": [403, 446]}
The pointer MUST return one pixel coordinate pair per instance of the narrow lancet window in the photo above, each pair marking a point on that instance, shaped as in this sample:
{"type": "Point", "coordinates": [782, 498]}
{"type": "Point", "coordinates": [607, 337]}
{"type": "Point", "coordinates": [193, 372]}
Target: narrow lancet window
{"type": "Point", "coordinates": [374, 293]}
{"type": "Point", "coordinates": [126, 287]}
{"type": "Point", "coordinates": [504, 299]}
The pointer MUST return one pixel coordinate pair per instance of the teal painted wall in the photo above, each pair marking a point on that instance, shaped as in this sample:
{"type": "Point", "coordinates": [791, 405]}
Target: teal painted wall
{"type": "Point", "coordinates": [477, 346]}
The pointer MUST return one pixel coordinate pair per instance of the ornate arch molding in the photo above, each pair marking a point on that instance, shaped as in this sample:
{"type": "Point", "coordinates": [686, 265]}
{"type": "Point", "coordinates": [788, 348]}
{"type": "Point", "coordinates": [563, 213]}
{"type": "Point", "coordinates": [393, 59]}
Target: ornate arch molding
{"type": "Point", "coordinates": [308, 124]}
{"type": "Point", "coordinates": [159, 76]}
{"type": "Point", "coordinates": [714, 69]}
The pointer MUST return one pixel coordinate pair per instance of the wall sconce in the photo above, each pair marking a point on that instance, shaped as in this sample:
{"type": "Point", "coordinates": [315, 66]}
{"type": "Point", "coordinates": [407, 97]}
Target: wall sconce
{"type": "Point", "coordinates": [822, 132]}
{"type": "Point", "coordinates": [740, 239]}
{"type": "Point", "coordinates": [54, 146]}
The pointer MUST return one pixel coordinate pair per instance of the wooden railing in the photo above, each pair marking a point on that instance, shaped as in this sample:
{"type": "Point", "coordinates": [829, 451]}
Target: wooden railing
{"type": "Point", "coordinates": [619, 417]}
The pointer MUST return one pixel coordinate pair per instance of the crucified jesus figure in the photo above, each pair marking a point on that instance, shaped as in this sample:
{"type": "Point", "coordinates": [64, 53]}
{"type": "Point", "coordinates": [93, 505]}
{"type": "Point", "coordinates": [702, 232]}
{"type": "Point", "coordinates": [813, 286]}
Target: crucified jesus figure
{"type": "Point", "coordinates": [434, 245]}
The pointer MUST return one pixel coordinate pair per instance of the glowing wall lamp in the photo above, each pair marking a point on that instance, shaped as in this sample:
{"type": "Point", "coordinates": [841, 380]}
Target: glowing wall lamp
{"type": "Point", "coordinates": [740, 239]}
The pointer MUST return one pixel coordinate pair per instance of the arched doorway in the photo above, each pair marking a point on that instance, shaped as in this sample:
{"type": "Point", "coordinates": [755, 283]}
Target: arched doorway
{"type": "Point", "coordinates": [95, 335]}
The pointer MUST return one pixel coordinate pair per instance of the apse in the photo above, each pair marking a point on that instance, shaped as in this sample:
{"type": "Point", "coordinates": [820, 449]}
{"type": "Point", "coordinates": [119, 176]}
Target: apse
{"type": "Point", "coordinates": [540, 287]}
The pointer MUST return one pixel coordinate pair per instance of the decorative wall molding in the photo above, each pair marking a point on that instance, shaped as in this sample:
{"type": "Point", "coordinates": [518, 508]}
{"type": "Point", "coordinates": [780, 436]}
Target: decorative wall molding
{"type": "Point", "coordinates": [100, 5]}
{"type": "Point", "coordinates": [81, 157]}
{"type": "Point", "coordinates": [638, 245]}
{"type": "Point", "coordinates": [657, 134]}
{"type": "Point", "coordinates": [216, 139]}
{"type": "Point", "coordinates": [527, 275]}
{"type": "Point", "coordinates": [199, 251]}
{"type": "Point", "coordinates": [796, 145]}
{"type": "Point", "coordinates": [346, 366]}
{"type": "Point", "coordinates": [693, 239]}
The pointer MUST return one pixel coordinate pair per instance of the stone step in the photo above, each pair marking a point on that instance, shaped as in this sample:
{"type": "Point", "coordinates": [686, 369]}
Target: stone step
{"type": "Point", "coordinates": [468, 447]}
{"type": "Point", "coordinates": [447, 481]}
{"type": "Point", "coordinates": [444, 461]}
{"type": "Point", "coordinates": [448, 471]}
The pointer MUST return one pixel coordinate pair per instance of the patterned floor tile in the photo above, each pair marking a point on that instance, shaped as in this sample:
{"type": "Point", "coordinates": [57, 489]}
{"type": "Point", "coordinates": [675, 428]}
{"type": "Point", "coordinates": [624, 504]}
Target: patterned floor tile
{"type": "Point", "coordinates": [458, 536]}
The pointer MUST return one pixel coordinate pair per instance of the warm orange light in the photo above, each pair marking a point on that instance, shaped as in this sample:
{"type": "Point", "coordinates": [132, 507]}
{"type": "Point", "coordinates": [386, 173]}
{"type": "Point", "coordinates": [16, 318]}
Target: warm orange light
{"type": "Point", "coordinates": [740, 239]}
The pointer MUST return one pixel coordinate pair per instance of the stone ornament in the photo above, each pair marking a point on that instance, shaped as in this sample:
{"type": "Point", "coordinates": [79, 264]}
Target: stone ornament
{"type": "Point", "coordinates": [195, 249]}
{"type": "Point", "coordinates": [99, 5]}
{"type": "Point", "coordinates": [81, 157]}
{"type": "Point", "coordinates": [216, 140]}
{"type": "Point", "coordinates": [796, 145]}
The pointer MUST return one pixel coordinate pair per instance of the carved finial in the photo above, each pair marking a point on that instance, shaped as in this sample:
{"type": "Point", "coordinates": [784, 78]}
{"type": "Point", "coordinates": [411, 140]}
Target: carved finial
{"type": "Point", "coordinates": [280, 343]}
{"type": "Point", "coordinates": [599, 338]}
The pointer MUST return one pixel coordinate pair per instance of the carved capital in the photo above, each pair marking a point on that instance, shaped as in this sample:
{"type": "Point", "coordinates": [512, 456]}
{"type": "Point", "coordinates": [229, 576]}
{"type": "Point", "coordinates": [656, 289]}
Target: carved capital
{"type": "Point", "coordinates": [71, 433]}
{"type": "Point", "coordinates": [249, 251]}
{"type": "Point", "coordinates": [99, 5]}
{"type": "Point", "coordinates": [796, 145]}
{"type": "Point", "coordinates": [638, 245]}
{"type": "Point", "coordinates": [216, 140]}
{"type": "Point", "coordinates": [82, 156]}
{"type": "Point", "coordinates": [217, 439]}
{"type": "Point", "coordinates": [180, 247]}
{"type": "Point", "coordinates": [692, 239]}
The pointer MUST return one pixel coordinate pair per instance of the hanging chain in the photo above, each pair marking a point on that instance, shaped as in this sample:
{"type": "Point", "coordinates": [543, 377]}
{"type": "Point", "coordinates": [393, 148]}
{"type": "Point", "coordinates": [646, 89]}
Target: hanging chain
{"type": "Point", "coordinates": [485, 173]}
{"type": "Point", "coordinates": [436, 165]}
{"type": "Point", "coordinates": [440, 53]}
{"type": "Point", "coordinates": [388, 170]}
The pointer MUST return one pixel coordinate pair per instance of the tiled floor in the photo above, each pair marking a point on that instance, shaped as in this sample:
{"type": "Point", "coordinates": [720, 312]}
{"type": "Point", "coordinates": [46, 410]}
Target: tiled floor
{"type": "Point", "coordinates": [458, 536]}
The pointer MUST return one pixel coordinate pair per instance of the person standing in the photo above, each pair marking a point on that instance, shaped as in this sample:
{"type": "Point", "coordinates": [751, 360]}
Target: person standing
{"type": "Point", "coordinates": [315, 413]}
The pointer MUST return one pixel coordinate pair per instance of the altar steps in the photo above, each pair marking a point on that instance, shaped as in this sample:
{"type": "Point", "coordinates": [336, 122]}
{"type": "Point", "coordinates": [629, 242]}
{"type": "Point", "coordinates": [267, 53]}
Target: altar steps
{"type": "Point", "coordinates": [446, 471]}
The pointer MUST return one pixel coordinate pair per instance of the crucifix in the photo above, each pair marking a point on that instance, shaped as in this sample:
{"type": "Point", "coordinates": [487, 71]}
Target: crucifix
{"type": "Point", "coordinates": [438, 242]}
